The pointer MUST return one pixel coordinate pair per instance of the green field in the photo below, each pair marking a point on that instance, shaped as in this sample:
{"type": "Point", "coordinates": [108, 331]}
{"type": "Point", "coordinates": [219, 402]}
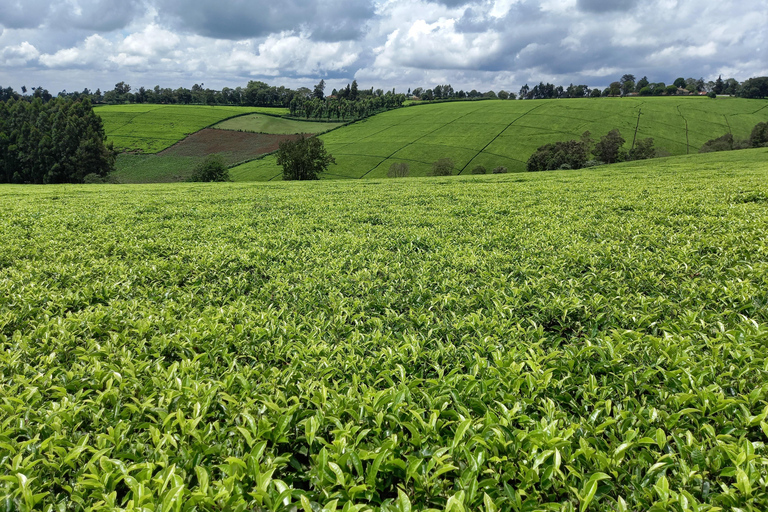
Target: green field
{"type": "Point", "coordinates": [153, 128]}
{"type": "Point", "coordinates": [588, 340]}
{"type": "Point", "coordinates": [153, 168]}
{"type": "Point", "coordinates": [258, 123]}
{"type": "Point", "coordinates": [506, 133]}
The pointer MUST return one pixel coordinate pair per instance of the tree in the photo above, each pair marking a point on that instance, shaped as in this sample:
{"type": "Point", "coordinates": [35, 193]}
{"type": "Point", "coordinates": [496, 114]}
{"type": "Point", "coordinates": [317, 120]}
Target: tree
{"type": "Point", "coordinates": [319, 91]}
{"type": "Point", "coordinates": [643, 82]}
{"type": "Point", "coordinates": [122, 88]}
{"type": "Point", "coordinates": [60, 141]}
{"type": "Point", "coordinates": [755, 88]}
{"type": "Point", "coordinates": [398, 170]}
{"type": "Point", "coordinates": [478, 169]}
{"type": "Point", "coordinates": [353, 91]}
{"type": "Point", "coordinates": [759, 136]}
{"type": "Point", "coordinates": [443, 167]}
{"type": "Point", "coordinates": [719, 85]}
{"type": "Point", "coordinates": [679, 83]}
{"type": "Point", "coordinates": [627, 87]}
{"type": "Point", "coordinates": [608, 150]}
{"type": "Point", "coordinates": [569, 154]}
{"type": "Point", "coordinates": [627, 78]}
{"type": "Point", "coordinates": [643, 150]}
{"type": "Point", "coordinates": [213, 168]}
{"type": "Point", "coordinates": [303, 159]}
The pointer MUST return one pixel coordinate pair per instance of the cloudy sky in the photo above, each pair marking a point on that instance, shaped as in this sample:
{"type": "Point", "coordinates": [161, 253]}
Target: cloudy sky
{"type": "Point", "coordinates": [483, 44]}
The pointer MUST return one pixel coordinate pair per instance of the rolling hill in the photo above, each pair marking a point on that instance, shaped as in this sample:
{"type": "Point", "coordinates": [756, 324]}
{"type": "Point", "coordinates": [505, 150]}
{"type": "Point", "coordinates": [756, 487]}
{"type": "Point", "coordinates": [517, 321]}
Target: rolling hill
{"type": "Point", "coordinates": [506, 133]}
{"type": "Point", "coordinates": [153, 128]}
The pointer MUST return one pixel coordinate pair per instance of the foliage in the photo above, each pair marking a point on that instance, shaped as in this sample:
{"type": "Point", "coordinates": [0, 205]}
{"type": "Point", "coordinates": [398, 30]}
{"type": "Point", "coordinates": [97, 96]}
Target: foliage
{"type": "Point", "coordinates": [759, 135]}
{"type": "Point", "coordinates": [60, 141]}
{"type": "Point", "coordinates": [398, 170]}
{"type": "Point", "coordinates": [609, 148]}
{"type": "Point", "coordinates": [755, 88]}
{"type": "Point", "coordinates": [303, 159]}
{"type": "Point", "coordinates": [642, 150]}
{"type": "Point", "coordinates": [499, 170]}
{"type": "Point", "coordinates": [595, 343]}
{"type": "Point", "coordinates": [212, 168]}
{"type": "Point", "coordinates": [571, 153]}
{"type": "Point", "coordinates": [443, 167]}
{"type": "Point", "coordinates": [478, 169]}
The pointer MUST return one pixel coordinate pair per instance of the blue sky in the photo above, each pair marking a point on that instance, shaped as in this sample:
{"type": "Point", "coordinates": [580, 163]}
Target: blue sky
{"type": "Point", "coordinates": [483, 45]}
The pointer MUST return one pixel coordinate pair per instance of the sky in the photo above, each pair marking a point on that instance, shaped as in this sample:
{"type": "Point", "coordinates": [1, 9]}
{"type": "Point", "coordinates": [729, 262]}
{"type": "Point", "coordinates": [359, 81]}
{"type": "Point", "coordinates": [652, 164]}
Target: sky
{"type": "Point", "coordinates": [402, 44]}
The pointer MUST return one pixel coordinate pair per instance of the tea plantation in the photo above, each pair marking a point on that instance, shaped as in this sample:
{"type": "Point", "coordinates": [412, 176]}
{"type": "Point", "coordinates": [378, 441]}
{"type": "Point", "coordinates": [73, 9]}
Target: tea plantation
{"type": "Point", "coordinates": [506, 133]}
{"type": "Point", "coordinates": [148, 128]}
{"type": "Point", "coordinates": [584, 340]}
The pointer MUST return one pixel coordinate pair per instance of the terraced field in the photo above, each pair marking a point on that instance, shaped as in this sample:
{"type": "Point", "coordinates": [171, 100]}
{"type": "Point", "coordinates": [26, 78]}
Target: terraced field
{"type": "Point", "coordinates": [153, 128]}
{"type": "Point", "coordinates": [588, 340]}
{"type": "Point", "coordinates": [506, 133]}
{"type": "Point", "coordinates": [258, 123]}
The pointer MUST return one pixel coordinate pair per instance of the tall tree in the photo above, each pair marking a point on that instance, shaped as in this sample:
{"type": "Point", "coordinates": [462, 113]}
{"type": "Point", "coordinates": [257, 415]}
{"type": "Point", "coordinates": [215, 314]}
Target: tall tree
{"type": "Point", "coordinates": [719, 86]}
{"type": "Point", "coordinates": [319, 91]}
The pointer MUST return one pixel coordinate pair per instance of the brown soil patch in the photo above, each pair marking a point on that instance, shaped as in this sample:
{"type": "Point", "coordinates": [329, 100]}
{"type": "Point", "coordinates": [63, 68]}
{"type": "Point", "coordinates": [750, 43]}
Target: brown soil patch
{"type": "Point", "coordinates": [233, 146]}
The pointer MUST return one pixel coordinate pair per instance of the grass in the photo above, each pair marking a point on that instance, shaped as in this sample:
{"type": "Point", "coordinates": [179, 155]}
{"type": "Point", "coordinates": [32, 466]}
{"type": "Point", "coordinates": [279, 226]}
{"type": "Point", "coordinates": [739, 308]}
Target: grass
{"type": "Point", "coordinates": [586, 340]}
{"type": "Point", "coordinates": [506, 133]}
{"type": "Point", "coordinates": [258, 123]}
{"type": "Point", "coordinates": [153, 128]}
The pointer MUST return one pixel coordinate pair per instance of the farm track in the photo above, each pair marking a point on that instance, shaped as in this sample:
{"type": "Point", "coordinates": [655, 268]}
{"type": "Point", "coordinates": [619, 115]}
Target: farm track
{"type": "Point", "coordinates": [687, 140]}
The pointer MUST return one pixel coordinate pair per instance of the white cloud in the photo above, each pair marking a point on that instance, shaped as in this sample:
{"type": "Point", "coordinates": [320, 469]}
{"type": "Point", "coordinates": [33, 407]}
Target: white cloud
{"type": "Point", "coordinates": [20, 55]}
{"type": "Point", "coordinates": [478, 44]}
{"type": "Point", "coordinates": [92, 52]}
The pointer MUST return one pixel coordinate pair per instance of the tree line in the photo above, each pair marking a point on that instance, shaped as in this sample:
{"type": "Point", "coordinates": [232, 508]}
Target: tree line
{"type": "Point", "coordinates": [757, 139]}
{"type": "Point", "coordinates": [261, 94]}
{"type": "Point", "coordinates": [585, 152]}
{"type": "Point", "coordinates": [628, 86]}
{"type": "Point", "coordinates": [59, 141]}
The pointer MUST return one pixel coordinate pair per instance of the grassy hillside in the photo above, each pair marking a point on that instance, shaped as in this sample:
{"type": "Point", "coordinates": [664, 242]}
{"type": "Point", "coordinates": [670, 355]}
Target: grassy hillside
{"type": "Point", "coordinates": [571, 340]}
{"type": "Point", "coordinates": [258, 123]}
{"type": "Point", "coordinates": [494, 133]}
{"type": "Point", "coordinates": [152, 128]}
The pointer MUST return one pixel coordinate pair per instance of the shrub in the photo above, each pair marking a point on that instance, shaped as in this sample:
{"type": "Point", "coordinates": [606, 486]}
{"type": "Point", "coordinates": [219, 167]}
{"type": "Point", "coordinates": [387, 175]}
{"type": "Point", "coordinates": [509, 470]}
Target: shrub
{"type": "Point", "coordinates": [643, 150]}
{"type": "Point", "coordinates": [443, 167]}
{"type": "Point", "coordinates": [723, 143]}
{"type": "Point", "coordinates": [93, 178]}
{"type": "Point", "coordinates": [479, 169]}
{"type": "Point", "coordinates": [398, 170]}
{"type": "Point", "coordinates": [213, 168]}
{"type": "Point", "coordinates": [500, 170]}
{"type": "Point", "coordinates": [569, 154]}
{"type": "Point", "coordinates": [759, 136]}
